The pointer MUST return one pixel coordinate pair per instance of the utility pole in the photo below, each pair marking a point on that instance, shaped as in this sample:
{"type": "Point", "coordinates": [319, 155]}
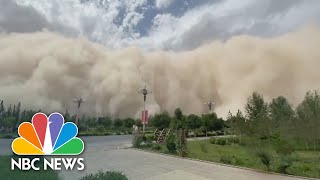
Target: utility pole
{"type": "Point", "coordinates": [210, 105]}
{"type": "Point", "coordinates": [78, 101]}
{"type": "Point", "coordinates": [144, 92]}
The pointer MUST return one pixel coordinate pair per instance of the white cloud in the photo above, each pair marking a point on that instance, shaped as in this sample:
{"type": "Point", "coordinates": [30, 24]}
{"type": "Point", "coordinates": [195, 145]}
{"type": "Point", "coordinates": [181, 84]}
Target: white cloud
{"type": "Point", "coordinates": [163, 3]}
{"type": "Point", "coordinates": [226, 19]}
{"type": "Point", "coordinates": [115, 23]}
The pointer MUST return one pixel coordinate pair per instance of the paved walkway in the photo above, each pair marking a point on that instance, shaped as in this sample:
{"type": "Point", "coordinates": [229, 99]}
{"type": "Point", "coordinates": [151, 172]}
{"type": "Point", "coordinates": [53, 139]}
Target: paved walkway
{"type": "Point", "coordinates": [139, 165]}
{"type": "Point", "coordinates": [111, 153]}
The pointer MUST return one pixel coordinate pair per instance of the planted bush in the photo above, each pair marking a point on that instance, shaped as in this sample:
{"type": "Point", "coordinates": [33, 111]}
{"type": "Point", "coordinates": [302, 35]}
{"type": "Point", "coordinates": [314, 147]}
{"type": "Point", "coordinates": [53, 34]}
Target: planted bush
{"type": "Point", "coordinates": [285, 163]}
{"type": "Point", "coordinates": [233, 140]}
{"type": "Point", "coordinates": [212, 141]}
{"type": "Point", "coordinates": [204, 147]}
{"type": "Point", "coordinates": [221, 141]}
{"type": "Point", "coordinates": [144, 138]}
{"type": "Point", "coordinates": [136, 141]}
{"type": "Point", "coordinates": [156, 147]}
{"type": "Point", "coordinates": [265, 157]}
{"type": "Point", "coordinates": [109, 175]}
{"type": "Point", "coordinates": [171, 143]}
{"type": "Point", "coordinates": [181, 143]}
{"type": "Point", "coordinates": [284, 148]}
{"type": "Point", "coordinates": [226, 159]}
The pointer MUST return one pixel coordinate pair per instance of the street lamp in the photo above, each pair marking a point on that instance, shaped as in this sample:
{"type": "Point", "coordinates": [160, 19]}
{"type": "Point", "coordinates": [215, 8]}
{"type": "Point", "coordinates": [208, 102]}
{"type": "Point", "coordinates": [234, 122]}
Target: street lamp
{"type": "Point", "coordinates": [78, 101]}
{"type": "Point", "coordinates": [210, 105]}
{"type": "Point", "coordinates": [144, 92]}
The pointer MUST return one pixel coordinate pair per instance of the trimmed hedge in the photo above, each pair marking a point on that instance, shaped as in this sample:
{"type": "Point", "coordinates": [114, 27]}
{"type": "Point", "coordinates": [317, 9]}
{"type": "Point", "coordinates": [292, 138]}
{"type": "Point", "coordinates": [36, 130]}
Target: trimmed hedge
{"type": "Point", "coordinates": [108, 175]}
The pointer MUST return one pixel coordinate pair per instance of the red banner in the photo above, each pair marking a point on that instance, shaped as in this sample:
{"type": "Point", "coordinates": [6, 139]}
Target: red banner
{"type": "Point", "coordinates": [144, 117]}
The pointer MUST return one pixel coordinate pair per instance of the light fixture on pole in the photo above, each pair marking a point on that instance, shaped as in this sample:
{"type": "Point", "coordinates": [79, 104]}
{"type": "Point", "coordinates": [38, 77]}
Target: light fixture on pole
{"type": "Point", "coordinates": [78, 101]}
{"type": "Point", "coordinates": [210, 105]}
{"type": "Point", "coordinates": [144, 92]}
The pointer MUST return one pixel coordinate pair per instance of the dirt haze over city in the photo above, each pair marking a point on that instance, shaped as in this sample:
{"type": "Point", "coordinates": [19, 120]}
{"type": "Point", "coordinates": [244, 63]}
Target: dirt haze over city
{"type": "Point", "coordinates": [47, 71]}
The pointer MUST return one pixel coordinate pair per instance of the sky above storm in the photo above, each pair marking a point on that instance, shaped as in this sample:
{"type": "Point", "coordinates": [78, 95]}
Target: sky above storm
{"type": "Point", "coordinates": [158, 24]}
{"type": "Point", "coordinates": [186, 51]}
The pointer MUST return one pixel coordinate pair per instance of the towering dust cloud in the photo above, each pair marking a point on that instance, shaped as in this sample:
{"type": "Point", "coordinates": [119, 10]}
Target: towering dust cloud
{"type": "Point", "coordinates": [45, 70]}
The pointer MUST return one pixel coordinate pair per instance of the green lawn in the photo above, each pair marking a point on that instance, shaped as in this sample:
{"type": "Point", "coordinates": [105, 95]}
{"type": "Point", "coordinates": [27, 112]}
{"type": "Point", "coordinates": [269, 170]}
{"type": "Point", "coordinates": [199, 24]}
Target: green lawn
{"type": "Point", "coordinates": [7, 174]}
{"type": "Point", "coordinates": [302, 163]}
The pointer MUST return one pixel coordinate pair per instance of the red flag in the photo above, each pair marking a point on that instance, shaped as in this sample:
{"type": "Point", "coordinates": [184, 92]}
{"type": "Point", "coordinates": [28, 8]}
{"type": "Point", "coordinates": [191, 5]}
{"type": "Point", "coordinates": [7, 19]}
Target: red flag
{"type": "Point", "coordinates": [144, 117]}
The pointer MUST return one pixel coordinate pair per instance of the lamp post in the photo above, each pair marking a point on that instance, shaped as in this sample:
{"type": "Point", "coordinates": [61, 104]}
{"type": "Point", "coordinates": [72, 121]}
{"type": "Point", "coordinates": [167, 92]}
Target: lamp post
{"type": "Point", "coordinates": [78, 101]}
{"type": "Point", "coordinates": [210, 105]}
{"type": "Point", "coordinates": [144, 92]}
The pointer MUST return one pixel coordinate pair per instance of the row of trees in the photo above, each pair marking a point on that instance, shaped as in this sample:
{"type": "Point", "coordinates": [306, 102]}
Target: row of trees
{"type": "Point", "coordinates": [263, 120]}
{"type": "Point", "coordinates": [203, 123]}
{"type": "Point", "coordinates": [278, 119]}
{"type": "Point", "coordinates": [11, 117]}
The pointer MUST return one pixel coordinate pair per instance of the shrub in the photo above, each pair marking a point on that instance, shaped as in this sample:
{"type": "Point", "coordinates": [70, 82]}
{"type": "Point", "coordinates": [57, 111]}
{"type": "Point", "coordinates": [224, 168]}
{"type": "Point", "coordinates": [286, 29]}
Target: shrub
{"type": "Point", "coordinates": [7, 136]}
{"type": "Point", "coordinates": [265, 157]}
{"type": "Point", "coordinates": [219, 133]}
{"type": "Point", "coordinates": [144, 138]}
{"type": "Point", "coordinates": [109, 175]}
{"type": "Point", "coordinates": [299, 168]}
{"type": "Point", "coordinates": [204, 147]}
{"type": "Point", "coordinates": [150, 138]}
{"type": "Point", "coordinates": [238, 161]}
{"type": "Point", "coordinates": [136, 141]}
{"type": "Point", "coordinates": [221, 141]}
{"type": "Point", "coordinates": [285, 163]}
{"type": "Point", "coordinates": [100, 129]}
{"type": "Point", "coordinates": [171, 145]}
{"type": "Point", "coordinates": [107, 133]}
{"type": "Point", "coordinates": [181, 143]}
{"type": "Point", "coordinates": [284, 148]}
{"type": "Point", "coordinates": [118, 133]}
{"type": "Point", "coordinates": [233, 140]}
{"type": "Point", "coordinates": [212, 140]}
{"type": "Point", "coordinates": [226, 159]}
{"type": "Point", "coordinates": [156, 147]}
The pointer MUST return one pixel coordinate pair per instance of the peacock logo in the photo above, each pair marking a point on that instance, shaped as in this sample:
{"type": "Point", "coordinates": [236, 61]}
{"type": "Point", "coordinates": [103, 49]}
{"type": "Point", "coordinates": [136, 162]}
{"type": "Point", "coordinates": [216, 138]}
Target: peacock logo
{"type": "Point", "coordinates": [47, 136]}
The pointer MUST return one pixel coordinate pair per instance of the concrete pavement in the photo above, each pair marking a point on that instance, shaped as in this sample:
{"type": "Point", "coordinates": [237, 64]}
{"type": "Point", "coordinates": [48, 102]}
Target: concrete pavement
{"type": "Point", "coordinates": [139, 165]}
{"type": "Point", "coordinates": [112, 153]}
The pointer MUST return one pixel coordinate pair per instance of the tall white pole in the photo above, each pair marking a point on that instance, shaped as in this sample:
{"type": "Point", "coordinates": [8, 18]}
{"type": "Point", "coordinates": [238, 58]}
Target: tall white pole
{"type": "Point", "coordinates": [144, 92]}
{"type": "Point", "coordinates": [144, 116]}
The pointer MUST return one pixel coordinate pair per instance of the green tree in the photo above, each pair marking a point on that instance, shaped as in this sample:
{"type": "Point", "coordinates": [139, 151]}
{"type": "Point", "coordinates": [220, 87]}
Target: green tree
{"type": "Point", "coordinates": [18, 109]}
{"type": "Point", "coordinates": [26, 115]}
{"type": "Point", "coordinates": [281, 116]}
{"type": "Point", "coordinates": [2, 110]}
{"type": "Point", "coordinates": [193, 122]}
{"type": "Point", "coordinates": [162, 120]}
{"type": "Point", "coordinates": [257, 112]}
{"type": "Point", "coordinates": [237, 123]}
{"type": "Point", "coordinates": [256, 108]}
{"type": "Point", "coordinates": [9, 122]}
{"type": "Point", "coordinates": [308, 119]}
{"type": "Point", "coordinates": [208, 122]}
{"type": "Point", "coordinates": [2, 113]}
{"type": "Point", "coordinates": [138, 122]}
{"type": "Point", "coordinates": [178, 114]}
{"type": "Point", "coordinates": [179, 120]}
{"type": "Point", "coordinates": [118, 123]}
{"type": "Point", "coordinates": [106, 122]}
{"type": "Point", "coordinates": [9, 111]}
{"type": "Point", "coordinates": [67, 117]}
{"type": "Point", "coordinates": [91, 122]}
{"type": "Point", "coordinates": [128, 122]}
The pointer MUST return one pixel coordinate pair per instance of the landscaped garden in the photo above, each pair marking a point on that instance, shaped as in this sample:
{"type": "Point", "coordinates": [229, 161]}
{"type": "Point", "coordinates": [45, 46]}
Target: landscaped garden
{"type": "Point", "coordinates": [272, 137]}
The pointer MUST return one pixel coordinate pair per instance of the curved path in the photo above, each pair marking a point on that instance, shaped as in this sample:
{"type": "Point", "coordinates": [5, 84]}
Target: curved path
{"type": "Point", "coordinates": [112, 153]}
